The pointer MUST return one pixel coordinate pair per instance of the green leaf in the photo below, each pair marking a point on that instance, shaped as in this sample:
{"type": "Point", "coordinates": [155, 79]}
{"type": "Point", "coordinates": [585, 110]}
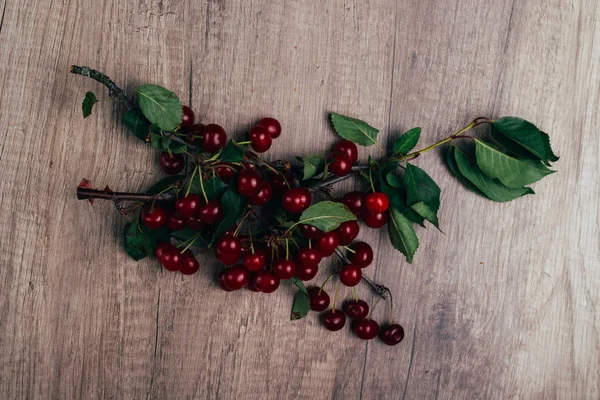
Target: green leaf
{"type": "Point", "coordinates": [402, 234]}
{"type": "Point", "coordinates": [354, 130]}
{"type": "Point", "coordinates": [161, 106]}
{"type": "Point", "coordinates": [405, 143]}
{"type": "Point", "coordinates": [139, 241]}
{"type": "Point", "coordinates": [87, 104]}
{"type": "Point", "coordinates": [135, 121]}
{"type": "Point", "coordinates": [491, 188]}
{"type": "Point", "coordinates": [420, 188]}
{"type": "Point", "coordinates": [426, 212]}
{"type": "Point", "coordinates": [300, 285]}
{"type": "Point", "coordinates": [301, 306]}
{"type": "Point", "coordinates": [517, 135]}
{"type": "Point", "coordinates": [326, 215]}
{"type": "Point", "coordinates": [232, 153]}
{"type": "Point", "coordinates": [177, 148]}
{"type": "Point", "coordinates": [164, 183]}
{"type": "Point", "coordinates": [233, 206]}
{"type": "Point", "coordinates": [450, 160]}
{"type": "Point", "coordinates": [397, 194]}
{"type": "Point", "coordinates": [213, 187]}
{"type": "Point", "coordinates": [510, 171]}
{"type": "Point", "coordinates": [394, 180]}
{"type": "Point", "coordinates": [312, 165]}
{"type": "Point", "coordinates": [184, 234]}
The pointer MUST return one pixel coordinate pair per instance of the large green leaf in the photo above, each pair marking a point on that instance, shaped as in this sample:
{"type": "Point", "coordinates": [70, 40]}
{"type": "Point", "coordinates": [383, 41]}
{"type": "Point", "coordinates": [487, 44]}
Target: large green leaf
{"type": "Point", "coordinates": [312, 165]}
{"type": "Point", "coordinates": [233, 206]}
{"type": "Point", "coordinates": [326, 215]}
{"type": "Point", "coordinates": [232, 153]}
{"type": "Point", "coordinates": [139, 241]}
{"type": "Point", "coordinates": [405, 143]}
{"type": "Point", "coordinates": [87, 104]}
{"type": "Point", "coordinates": [451, 161]}
{"type": "Point", "coordinates": [402, 234]}
{"type": "Point", "coordinates": [517, 135]}
{"type": "Point", "coordinates": [397, 193]}
{"type": "Point", "coordinates": [354, 130]}
{"type": "Point", "coordinates": [422, 192]}
{"type": "Point", "coordinates": [135, 121]}
{"type": "Point", "coordinates": [161, 106]}
{"type": "Point", "coordinates": [213, 187]}
{"type": "Point", "coordinates": [510, 171]}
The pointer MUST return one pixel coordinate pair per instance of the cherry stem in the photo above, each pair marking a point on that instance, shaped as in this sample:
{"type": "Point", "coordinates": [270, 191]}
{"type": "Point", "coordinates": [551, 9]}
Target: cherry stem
{"type": "Point", "coordinates": [379, 289]}
{"type": "Point", "coordinates": [349, 249]}
{"type": "Point", "coordinates": [373, 308]}
{"type": "Point", "coordinates": [335, 296]}
{"type": "Point", "coordinates": [202, 186]}
{"type": "Point", "coordinates": [355, 291]}
{"type": "Point", "coordinates": [191, 180]}
{"type": "Point", "coordinates": [326, 280]}
{"type": "Point", "coordinates": [391, 306]}
{"type": "Point", "coordinates": [336, 179]}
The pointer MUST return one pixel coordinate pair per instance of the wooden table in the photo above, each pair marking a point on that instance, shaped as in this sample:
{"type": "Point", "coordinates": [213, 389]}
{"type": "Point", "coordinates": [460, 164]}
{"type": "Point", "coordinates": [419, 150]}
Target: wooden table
{"type": "Point", "coordinates": [503, 305]}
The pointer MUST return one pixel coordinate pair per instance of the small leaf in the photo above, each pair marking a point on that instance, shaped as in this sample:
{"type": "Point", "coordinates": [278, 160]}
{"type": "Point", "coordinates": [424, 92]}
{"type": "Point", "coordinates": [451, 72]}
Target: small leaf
{"type": "Point", "coordinates": [521, 134]}
{"type": "Point", "coordinates": [354, 130]}
{"type": "Point", "coordinates": [176, 147]}
{"type": "Point", "coordinates": [300, 285]}
{"type": "Point", "coordinates": [184, 234]}
{"type": "Point", "coordinates": [232, 153]}
{"type": "Point", "coordinates": [402, 234]}
{"type": "Point", "coordinates": [405, 143]}
{"type": "Point", "coordinates": [450, 160]}
{"type": "Point", "coordinates": [312, 165]}
{"type": "Point", "coordinates": [397, 194]}
{"type": "Point", "coordinates": [139, 241]}
{"type": "Point", "coordinates": [233, 206]}
{"type": "Point", "coordinates": [420, 188]}
{"type": "Point", "coordinates": [426, 212]}
{"type": "Point", "coordinates": [394, 180]}
{"type": "Point", "coordinates": [87, 104]}
{"type": "Point", "coordinates": [301, 306]}
{"type": "Point", "coordinates": [135, 121]}
{"type": "Point", "coordinates": [326, 215]}
{"type": "Point", "coordinates": [161, 106]}
{"type": "Point", "coordinates": [165, 183]}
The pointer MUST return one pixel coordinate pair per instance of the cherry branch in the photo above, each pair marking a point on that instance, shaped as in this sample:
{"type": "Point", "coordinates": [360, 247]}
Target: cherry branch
{"type": "Point", "coordinates": [88, 194]}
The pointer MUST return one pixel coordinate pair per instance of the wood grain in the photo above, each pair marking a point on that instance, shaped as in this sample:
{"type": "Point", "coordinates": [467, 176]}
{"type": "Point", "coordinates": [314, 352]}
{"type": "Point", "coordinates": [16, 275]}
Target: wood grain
{"type": "Point", "coordinates": [503, 305]}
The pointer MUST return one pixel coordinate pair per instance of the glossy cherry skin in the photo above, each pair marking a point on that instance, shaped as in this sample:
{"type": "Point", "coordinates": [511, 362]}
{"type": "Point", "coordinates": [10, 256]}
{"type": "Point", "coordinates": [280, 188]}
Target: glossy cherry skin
{"type": "Point", "coordinates": [284, 269]}
{"type": "Point", "coordinates": [333, 320]}
{"type": "Point", "coordinates": [347, 232]}
{"type": "Point", "coordinates": [363, 254]}
{"type": "Point", "coordinates": [246, 244]}
{"type": "Point", "coordinates": [153, 217]}
{"type": "Point", "coordinates": [212, 212]}
{"type": "Point", "coordinates": [328, 243]}
{"type": "Point", "coordinates": [350, 275]}
{"type": "Point", "coordinates": [319, 299]}
{"type": "Point", "coordinates": [188, 205]}
{"type": "Point", "coordinates": [280, 182]}
{"type": "Point", "coordinates": [171, 259]}
{"type": "Point", "coordinates": [214, 138]}
{"type": "Point", "coordinates": [225, 171]}
{"type": "Point", "coordinates": [264, 194]}
{"type": "Point", "coordinates": [188, 117]}
{"type": "Point", "coordinates": [254, 262]}
{"type": "Point", "coordinates": [392, 335]}
{"type": "Point", "coordinates": [160, 248]}
{"type": "Point", "coordinates": [296, 200]}
{"type": "Point", "coordinates": [377, 202]}
{"type": "Point", "coordinates": [310, 232]}
{"type": "Point", "coordinates": [272, 125]}
{"type": "Point", "coordinates": [375, 220]}
{"type": "Point", "coordinates": [171, 164]}
{"type": "Point", "coordinates": [339, 164]}
{"type": "Point", "coordinates": [194, 222]}
{"type": "Point", "coordinates": [306, 272]}
{"type": "Point", "coordinates": [248, 182]}
{"type": "Point", "coordinates": [355, 202]}
{"type": "Point", "coordinates": [236, 277]}
{"type": "Point", "coordinates": [265, 281]}
{"type": "Point", "coordinates": [356, 309]}
{"type": "Point", "coordinates": [310, 257]}
{"type": "Point", "coordinates": [175, 222]}
{"type": "Point", "coordinates": [228, 249]}
{"type": "Point", "coordinates": [221, 282]}
{"type": "Point", "coordinates": [348, 148]}
{"type": "Point", "coordinates": [366, 329]}
{"type": "Point", "coordinates": [189, 264]}
{"type": "Point", "coordinates": [260, 139]}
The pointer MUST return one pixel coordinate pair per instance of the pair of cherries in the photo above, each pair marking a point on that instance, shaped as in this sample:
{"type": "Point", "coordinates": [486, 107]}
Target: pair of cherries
{"type": "Point", "coordinates": [212, 137]}
{"type": "Point", "coordinates": [372, 207]}
{"type": "Point", "coordinates": [174, 260]}
{"type": "Point", "coordinates": [262, 134]}
{"type": "Point", "coordinates": [343, 154]}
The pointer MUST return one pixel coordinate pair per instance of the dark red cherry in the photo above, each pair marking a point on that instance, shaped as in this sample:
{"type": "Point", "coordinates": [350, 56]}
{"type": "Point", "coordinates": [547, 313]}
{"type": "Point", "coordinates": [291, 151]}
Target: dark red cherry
{"type": "Point", "coordinates": [254, 262]}
{"type": "Point", "coordinates": [225, 171]}
{"type": "Point", "coordinates": [153, 217]}
{"type": "Point", "coordinates": [228, 249]}
{"type": "Point", "coordinates": [194, 222]}
{"type": "Point", "coordinates": [284, 269]}
{"type": "Point", "coordinates": [265, 281]}
{"type": "Point", "coordinates": [171, 164]}
{"type": "Point", "coordinates": [282, 182]}
{"type": "Point", "coordinates": [355, 202]}
{"type": "Point", "coordinates": [160, 248]}
{"type": "Point", "coordinates": [356, 309]}
{"type": "Point", "coordinates": [188, 117]}
{"type": "Point", "coordinates": [339, 164]}
{"type": "Point", "coordinates": [366, 329]}
{"type": "Point", "coordinates": [175, 222]}
{"type": "Point", "coordinates": [319, 299]}
{"type": "Point", "coordinates": [212, 212]}
{"type": "Point", "coordinates": [260, 139]}
{"type": "Point", "coordinates": [363, 254]}
{"type": "Point", "coordinates": [347, 232]}
{"type": "Point", "coordinates": [310, 257]}
{"type": "Point", "coordinates": [189, 264]}
{"type": "Point", "coordinates": [236, 277]}
{"type": "Point", "coordinates": [221, 282]}
{"type": "Point", "coordinates": [171, 259]}
{"type": "Point", "coordinates": [310, 232]}
{"type": "Point", "coordinates": [392, 335]}
{"type": "Point", "coordinates": [333, 320]}
{"type": "Point", "coordinates": [328, 243]}
{"type": "Point", "coordinates": [188, 205]}
{"type": "Point", "coordinates": [214, 138]}
{"type": "Point", "coordinates": [264, 194]}
{"type": "Point", "coordinates": [246, 244]}
{"type": "Point", "coordinates": [351, 274]}
{"type": "Point", "coordinates": [375, 220]}
{"type": "Point", "coordinates": [306, 272]}
{"type": "Point", "coordinates": [248, 182]}
{"type": "Point", "coordinates": [296, 200]}
{"type": "Point", "coordinates": [348, 148]}
{"type": "Point", "coordinates": [377, 202]}
{"type": "Point", "coordinates": [272, 125]}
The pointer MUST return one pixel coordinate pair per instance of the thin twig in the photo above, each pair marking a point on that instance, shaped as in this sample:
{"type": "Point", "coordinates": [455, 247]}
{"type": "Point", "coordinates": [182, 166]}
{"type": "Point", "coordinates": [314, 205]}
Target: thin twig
{"type": "Point", "coordinates": [379, 289]}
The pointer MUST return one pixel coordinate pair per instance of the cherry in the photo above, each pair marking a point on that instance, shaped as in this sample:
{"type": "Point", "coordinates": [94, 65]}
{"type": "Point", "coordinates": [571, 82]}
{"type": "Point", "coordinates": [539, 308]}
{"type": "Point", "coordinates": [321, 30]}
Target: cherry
{"type": "Point", "coordinates": [377, 202]}
{"type": "Point", "coordinates": [175, 222]}
{"type": "Point", "coordinates": [310, 257]}
{"type": "Point", "coordinates": [246, 244]}
{"type": "Point", "coordinates": [272, 125]}
{"type": "Point", "coordinates": [265, 281]}
{"type": "Point", "coordinates": [248, 182]}
{"type": "Point", "coordinates": [188, 117]}
{"type": "Point", "coordinates": [350, 275]}
{"type": "Point", "coordinates": [340, 164]}
{"type": "Point", "coordinates": [319, 299]}
{"type": "Point", "coordinates": [348, 148]}
{"type": "Point", "coordinates": [153, 217]}
{"type": "Point", "coordinates": [355, 202]}
{"type": "Point", "coordinates": [328, 243]}
{"type": "Point", "coordinates": [221, 282]}
{"type": "Point", "coordinates": [171, 164]}
{"type": "Point", "coordinates": [264, 194]}
{"type": "Point", "coordinates": [161, 247]}
{"type": "Point", "coordinates": [228, 249]}
{"type": "Point", "coordinates": [375, 220]}
{"type": "Point", "coordinates": [310, 232]}
{"type": "Point", "coordinates": [194, 222]}
{"type": "Point", "coordinates": [284, 269]}
{"type": "Point", "coordinates": [189, 264]}
{"type": "Point", "coordinates": [333, 320]}
{"type": "Point", "coordinates": [356, 309]}
{"type": "Point", "coordinates": [306, 272]}
{"type": "Point", "coordinates": [254, 262]}
{"type": "Point", "coordinates": [278, 182]}
{"type": "Point", "coordinates": [236, 277]}
{"type": "Point", "coordinates": [392, 335]}
{"type": "Point", "coordinates": [211, 212]}
{"type": "Point", "coordinates": [296, 200]}
{"type": "Point", "coordinates": [225, 171]}
{"type": "Point", "coordinates": [260, 139]}
{"type": "Point", "coordinates": [213, 138]}
{"type": "Point", "coordinates": [251, 286]}
{"type": "Point", "coordinates": [171, 259]}
{"type": "Point", "coordinates": [366, 329]}
{"type": "Point", "coordinates": [347, 232]}
{"type": "Point", "coordinates": [363, 254]}
{"type": "Point", "coordinates": [188, 205]}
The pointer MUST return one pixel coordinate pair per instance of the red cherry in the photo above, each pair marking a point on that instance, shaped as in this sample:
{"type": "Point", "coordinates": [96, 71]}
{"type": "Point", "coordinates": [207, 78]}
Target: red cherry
{"type": "Point", "coordinates": [265, 281]}
{"type": "Point", "coordinates": [356, 309]}
{"type": "Point", "coordinates": [306, 272]}
{"type": "Point", "coordinates": [348, 148]}
{"type": "Point", "coordinates": [236, 277]}
{"type": "Point", "coordinates": [171, 259]}
{"type": "Point", "coordinates": [194, 222]}
{"type": "Point", "coordinates": [310, 257]}
{"type": "Point", "coordinates": [188, 205]}
{"type": "Point", "coordinates": [339, 164]}
{"type": "Point", "coordinates": [254, 262]}
{"type": "Point", "coordinates": [188, 117]}
{"type": "Point", "coordinates": [355, 202]}
{"type": "Point", "coordinates": [280, 182]}
{"type": "Point", "coordinates": [347, 232]}
{"type": "Point", "coordinates": [366, 329]}
{"type": "Point", "coordinates": [284, 269]}
{"type": "Point", "coordinates": [392, 335]}
{"type": "Point", "coordinates": [160, 248]}
{"type": "Point", "coordinates": [251, 286]}
{"type": "Point", "coordinates": [375, 220]}
{"type": "Point", "coordinates": [310, 232]}
{"type": "Point", "coordinates": [319, 299]}
{"type": "Point", "coordinates": [350, 275]}
{"type": "Point", "coordinates": [228, 249]}
{"type": "Point", "coordinates": [189, 264]}
{"type": "Point", "coordinates": [333, 320]}
{"type": "Point", "coordinates": [377, 202]}
{"type": "Point", "coordinates": [296, 200]}
{"type": "Point", "coordinates": [260, 138]}
{"type": "Point", "coordinates": [248, 182]}
{"type": "Point", "coordinates": [153, 217]}
{"type": "Point", "coordinates": [363, 254]}
{"type": "Point", "coordinates": [211, 212]}
{"type": "Point", "coordinates": [214, 138]}
{"type": "Point", "coordinates": [264, 194]}
{"type": "Point", "coordinates": [221, 282]}
{"type": "Point", "coordinates": [175, 222]}
{"type": "Point", "coordinates": [246, 244]}
{"type": "Point", "coordinates": [225, 171]}
{"type": "Point", "coordinates": [171, 164]}
{"type": "Point", "coordinates": [328, 243]}
{"type": "Point", "coordinates": [272, 125]}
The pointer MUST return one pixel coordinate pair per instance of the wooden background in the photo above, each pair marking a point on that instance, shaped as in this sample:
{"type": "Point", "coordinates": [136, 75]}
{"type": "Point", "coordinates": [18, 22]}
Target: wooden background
{"type": "Point", "coordinates": [504, 305]}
